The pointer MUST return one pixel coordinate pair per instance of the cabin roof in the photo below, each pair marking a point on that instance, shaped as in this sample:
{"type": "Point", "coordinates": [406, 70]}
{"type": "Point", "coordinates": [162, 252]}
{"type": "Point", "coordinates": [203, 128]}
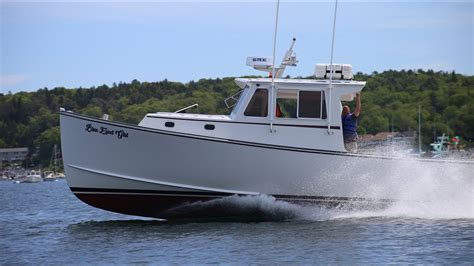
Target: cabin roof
{"type": "Point", "coordinates": [242, 81]}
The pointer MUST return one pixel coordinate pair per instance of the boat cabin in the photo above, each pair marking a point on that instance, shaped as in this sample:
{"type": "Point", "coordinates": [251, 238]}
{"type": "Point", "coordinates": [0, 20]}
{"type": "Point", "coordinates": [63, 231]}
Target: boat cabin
{"type": "Point", "coordinates": [307, 114]}
{"type": "Point", "coordinates": [288, 113]}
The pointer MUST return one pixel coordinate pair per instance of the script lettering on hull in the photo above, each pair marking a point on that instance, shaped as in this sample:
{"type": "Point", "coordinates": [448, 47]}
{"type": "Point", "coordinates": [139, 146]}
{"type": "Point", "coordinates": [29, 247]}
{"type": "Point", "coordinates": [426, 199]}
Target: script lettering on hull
{"type": "Point", "coordinates": [106, 131]}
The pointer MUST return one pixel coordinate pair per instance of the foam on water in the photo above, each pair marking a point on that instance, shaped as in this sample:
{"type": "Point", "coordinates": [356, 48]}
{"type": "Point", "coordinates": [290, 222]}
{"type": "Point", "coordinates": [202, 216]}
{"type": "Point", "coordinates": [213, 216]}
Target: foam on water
{"type": "Point", "coordinates": [429, 198]}
{"type": "Point", "coordinates": [429, 193]}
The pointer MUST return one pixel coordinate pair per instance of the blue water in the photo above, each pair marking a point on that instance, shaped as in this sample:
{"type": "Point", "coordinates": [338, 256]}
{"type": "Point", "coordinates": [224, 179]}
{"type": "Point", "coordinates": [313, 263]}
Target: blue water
{"type": "Point", "coordinates": [45, 223]}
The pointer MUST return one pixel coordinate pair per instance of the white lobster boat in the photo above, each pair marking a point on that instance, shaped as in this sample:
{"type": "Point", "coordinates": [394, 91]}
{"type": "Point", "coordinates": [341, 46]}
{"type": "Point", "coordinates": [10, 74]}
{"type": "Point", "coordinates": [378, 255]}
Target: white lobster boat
{"type": "Point", "coordinates": [173, 161]}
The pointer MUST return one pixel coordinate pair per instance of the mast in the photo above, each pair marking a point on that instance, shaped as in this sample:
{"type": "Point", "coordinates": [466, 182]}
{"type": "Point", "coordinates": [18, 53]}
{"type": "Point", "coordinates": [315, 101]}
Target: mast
{"type": "Point", "coordinates": [272, 89]}
{"type": "Point", "coordinates": [332, 69]}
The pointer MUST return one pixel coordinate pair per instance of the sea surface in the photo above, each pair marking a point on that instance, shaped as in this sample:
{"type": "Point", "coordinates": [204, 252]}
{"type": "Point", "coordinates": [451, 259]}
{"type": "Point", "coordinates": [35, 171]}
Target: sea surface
{"type": "Point", "coordinates": [46, 223]}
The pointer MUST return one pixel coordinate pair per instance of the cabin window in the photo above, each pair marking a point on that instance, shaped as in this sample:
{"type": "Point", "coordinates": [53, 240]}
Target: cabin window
{"type": "Point", "coordinates": [312, 104]}
{"type": "Point", "coordinates": [286, 104]}
{"type": "Point", "coordinates": [258, 105]}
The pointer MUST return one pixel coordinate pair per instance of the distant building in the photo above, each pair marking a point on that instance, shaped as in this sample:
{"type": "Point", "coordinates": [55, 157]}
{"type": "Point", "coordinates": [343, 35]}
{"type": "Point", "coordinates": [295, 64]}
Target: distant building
{"type": "Point", "coordinates": [13, 154]}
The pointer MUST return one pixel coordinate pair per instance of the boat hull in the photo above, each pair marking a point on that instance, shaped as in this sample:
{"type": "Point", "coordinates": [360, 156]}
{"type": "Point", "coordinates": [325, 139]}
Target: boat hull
{"type": "Point", "coordinates": [33, 179]}
{"type": "Point", "coordinates": [147, 172]}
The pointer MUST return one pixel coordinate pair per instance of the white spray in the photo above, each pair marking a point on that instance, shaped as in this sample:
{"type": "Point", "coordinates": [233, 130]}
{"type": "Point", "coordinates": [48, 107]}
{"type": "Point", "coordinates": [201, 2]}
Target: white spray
{"type": "Point", "coordinates": [424, 192]}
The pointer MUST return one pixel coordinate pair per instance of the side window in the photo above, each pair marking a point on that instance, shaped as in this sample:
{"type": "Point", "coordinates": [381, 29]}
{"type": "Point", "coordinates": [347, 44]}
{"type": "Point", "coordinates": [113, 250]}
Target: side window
{"type": "Point", "coordinates": [258, 105]}
{"type": "Point", "coordinates": [286, 104]}
{"type": "Point", "coordinates": [312, 104]}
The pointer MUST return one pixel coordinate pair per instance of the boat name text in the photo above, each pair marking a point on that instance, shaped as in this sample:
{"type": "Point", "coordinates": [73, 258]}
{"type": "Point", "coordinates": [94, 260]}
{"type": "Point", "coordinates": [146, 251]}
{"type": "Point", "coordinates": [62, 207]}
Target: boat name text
{"type": "Point", "coordinates": [105, 131]}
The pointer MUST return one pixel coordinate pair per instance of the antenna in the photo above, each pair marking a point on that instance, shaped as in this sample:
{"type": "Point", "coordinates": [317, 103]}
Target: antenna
{"type": "Point", "coordinates": [288, 60]}
{"type": "Point", "coordinates": [332, 69]}
{"type": "Point", "coordinates": [272, 90]}
{"type": "Point", "coordinates": [266, 64]}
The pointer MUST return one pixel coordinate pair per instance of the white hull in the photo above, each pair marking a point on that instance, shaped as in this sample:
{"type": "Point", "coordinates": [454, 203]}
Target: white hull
{"type": "Point", "coordinates": [32, 179]}
{"type": "Point", "coordinates": [151, 172]}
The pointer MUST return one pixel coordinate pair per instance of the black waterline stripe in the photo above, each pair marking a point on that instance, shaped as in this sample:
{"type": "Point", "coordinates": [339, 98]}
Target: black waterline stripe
{"type": "Point", "coordinates": [131, 192]}
{"type": "Point", "coordinates": [140, 191]}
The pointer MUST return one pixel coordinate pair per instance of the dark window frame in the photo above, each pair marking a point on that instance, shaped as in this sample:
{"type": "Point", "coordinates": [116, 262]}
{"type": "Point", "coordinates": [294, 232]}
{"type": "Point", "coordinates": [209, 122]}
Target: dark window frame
{"type": "Point", "coordinates": [248, 112]}
{"type": "Point", "coordinates": [322, 104]}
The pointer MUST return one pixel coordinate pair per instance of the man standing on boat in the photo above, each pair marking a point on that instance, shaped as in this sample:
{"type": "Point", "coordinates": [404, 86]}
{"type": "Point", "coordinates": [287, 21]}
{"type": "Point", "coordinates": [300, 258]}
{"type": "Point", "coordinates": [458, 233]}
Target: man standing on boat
{"type": "Point", "coordinates": [349, 125]}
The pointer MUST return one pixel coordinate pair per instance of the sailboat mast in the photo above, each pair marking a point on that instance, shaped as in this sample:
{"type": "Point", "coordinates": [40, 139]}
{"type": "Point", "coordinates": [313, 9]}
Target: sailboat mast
{"type": "Point", "coordinates": [55, 157]}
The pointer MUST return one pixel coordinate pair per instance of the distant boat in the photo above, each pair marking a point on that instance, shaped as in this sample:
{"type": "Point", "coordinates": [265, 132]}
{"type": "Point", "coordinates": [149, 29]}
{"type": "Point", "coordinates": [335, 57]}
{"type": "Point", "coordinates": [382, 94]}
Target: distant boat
{"type": "Point", "coordinates": [446, 147]}
{"type": "Point", "coordinates": [19, 176]}
{"type": "Point", "coordinates": [440, 146]}
{"type": "Point", "coordinates": [49, 176]}
{"type": "Point", "coordinates": [53, 175]}
{"type": "Point", "coordinates": [60, 175]}
{"type": "Point", "coordinates": [33, 177]}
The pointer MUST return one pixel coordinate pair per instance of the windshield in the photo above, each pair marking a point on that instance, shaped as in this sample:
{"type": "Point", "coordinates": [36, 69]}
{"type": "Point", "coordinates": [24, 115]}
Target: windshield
{"type": "Point", "coordinates": [233, 99]}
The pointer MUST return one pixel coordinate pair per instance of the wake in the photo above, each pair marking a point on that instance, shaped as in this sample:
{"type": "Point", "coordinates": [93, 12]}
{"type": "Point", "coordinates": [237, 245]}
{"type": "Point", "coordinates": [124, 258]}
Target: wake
{"type": "Point", "coordinates": [427, 199]}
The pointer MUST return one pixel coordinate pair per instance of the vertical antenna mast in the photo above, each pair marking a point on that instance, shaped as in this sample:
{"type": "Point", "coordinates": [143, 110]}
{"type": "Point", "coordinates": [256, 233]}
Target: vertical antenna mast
{"type": "Point", "coordinates": [272, 89]}
{"type": "Point", "coordinates": [332, 69]}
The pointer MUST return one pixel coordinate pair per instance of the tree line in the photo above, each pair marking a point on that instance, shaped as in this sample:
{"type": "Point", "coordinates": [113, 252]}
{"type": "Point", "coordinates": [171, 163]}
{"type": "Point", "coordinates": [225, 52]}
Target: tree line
{"type": "Point", "coordinates": [390, 99]}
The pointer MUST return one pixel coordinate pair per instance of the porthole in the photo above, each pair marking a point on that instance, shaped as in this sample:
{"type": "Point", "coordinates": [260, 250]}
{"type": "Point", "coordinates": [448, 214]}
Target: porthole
{"type": "Point", "coordinates": [209, 127]}
{"type": "Point", "coordinates": [169, 124]}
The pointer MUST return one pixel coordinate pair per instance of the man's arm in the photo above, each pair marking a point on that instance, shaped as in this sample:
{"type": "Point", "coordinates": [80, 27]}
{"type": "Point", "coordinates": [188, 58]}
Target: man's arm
{"type": "Point", "coordinates": [358, 105]}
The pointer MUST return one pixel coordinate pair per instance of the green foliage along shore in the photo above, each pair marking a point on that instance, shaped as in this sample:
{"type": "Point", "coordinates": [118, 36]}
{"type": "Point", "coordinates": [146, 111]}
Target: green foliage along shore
{"type": "Point", "coordinates": [30, 119]}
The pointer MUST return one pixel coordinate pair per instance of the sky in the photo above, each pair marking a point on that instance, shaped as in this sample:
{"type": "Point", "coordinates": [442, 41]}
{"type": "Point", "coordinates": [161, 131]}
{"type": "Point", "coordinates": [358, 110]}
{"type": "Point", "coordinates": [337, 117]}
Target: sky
{"type": "Point", "coordinates": [90, 43]}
